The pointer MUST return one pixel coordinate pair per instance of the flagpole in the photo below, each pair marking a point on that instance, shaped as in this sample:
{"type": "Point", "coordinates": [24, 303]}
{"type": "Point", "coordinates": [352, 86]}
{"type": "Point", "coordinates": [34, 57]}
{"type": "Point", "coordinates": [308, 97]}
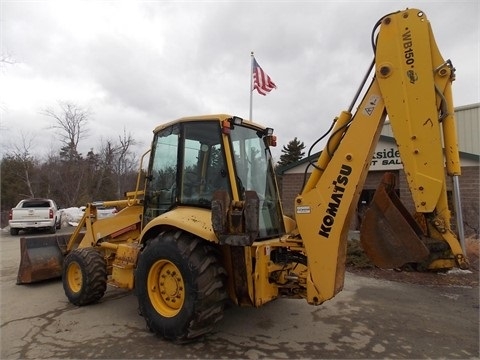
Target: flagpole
{"type": "Point", "coordinates": [251, 86]}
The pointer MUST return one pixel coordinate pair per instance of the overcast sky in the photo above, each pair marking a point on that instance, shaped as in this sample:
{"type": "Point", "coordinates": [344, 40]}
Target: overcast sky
{"type": "Point", "coordinates": [136, 64]}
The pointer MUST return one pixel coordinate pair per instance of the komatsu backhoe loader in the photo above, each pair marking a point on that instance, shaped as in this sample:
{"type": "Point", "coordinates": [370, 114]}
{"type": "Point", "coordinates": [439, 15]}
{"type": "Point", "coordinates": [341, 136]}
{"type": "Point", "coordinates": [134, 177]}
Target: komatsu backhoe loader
{"type": "Point", "coordinates": [207, 226]}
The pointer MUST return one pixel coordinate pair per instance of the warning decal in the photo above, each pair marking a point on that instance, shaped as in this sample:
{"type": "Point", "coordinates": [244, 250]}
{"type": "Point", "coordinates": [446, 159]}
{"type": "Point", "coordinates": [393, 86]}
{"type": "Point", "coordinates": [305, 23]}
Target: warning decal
{"type": "Point", "coordinates": [371, 105]}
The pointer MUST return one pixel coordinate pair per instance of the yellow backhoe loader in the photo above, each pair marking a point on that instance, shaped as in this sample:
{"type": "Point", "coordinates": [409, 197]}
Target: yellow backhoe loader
{"type": "Point", "coordinates": [205, 224]}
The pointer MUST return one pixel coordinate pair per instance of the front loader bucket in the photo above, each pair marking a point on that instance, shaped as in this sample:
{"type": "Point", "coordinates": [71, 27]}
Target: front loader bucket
{"type": "Point", "coordinates": [41, 258]}
{"type": "Point", "coordinates": [389, 235]}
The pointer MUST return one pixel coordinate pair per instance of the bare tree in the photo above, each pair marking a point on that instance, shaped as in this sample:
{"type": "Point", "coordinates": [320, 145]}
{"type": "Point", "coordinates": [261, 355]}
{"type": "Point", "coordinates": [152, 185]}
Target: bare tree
{"type": "Point", "coordinates": [70, 168]}
{"type": "Point", "coordinates": [102, 183]}
{"type": "Point", "coordinates": [116, 164]}
{"type": "Point", "coordinates": [21, 151]}
{"type": "Point", "coordinates": [70, 122]}
{"type": "Point", "coordinates": [125, 160]}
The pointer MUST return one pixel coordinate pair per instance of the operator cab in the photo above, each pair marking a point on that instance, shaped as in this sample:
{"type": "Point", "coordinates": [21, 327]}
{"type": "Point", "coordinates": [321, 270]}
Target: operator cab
{"type": "Point", "coordinates": [194, 157]}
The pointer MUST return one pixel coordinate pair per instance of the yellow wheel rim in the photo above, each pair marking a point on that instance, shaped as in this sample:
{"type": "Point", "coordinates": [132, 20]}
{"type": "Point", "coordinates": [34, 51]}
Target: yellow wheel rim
{"type": "Point", "coordinates": [166, 288]}
{"type": "Point", "coordinates": [74, 277]}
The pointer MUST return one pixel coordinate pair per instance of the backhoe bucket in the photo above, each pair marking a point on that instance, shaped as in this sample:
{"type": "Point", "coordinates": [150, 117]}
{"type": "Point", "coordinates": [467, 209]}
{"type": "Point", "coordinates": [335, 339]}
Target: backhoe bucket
{"type": "Point", "coordinates": [41, 258]}
{"type": "Point", "coordinates": [390, 236]}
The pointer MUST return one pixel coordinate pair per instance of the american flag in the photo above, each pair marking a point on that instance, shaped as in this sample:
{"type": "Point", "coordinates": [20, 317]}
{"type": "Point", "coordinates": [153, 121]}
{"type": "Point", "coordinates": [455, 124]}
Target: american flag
{"type": "Point", "coordinates": [261, 81]}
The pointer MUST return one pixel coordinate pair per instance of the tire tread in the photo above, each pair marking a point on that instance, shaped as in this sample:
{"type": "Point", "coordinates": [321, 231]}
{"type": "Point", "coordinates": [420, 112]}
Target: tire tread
{"type": "Point", "coordinates": [209, 278]}
{"type": "Point", "coordinates": [94, 272]}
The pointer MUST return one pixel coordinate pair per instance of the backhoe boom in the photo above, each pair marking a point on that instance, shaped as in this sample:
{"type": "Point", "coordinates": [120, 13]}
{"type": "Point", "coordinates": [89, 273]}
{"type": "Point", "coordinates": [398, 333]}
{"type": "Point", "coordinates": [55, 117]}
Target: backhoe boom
{"type": "Point", "coordinates": [411, 85]}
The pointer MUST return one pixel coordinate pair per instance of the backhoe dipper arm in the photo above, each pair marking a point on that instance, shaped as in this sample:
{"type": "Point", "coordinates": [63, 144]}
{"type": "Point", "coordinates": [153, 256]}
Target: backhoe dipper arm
{"type": "Point", "coordinates": [412, 85]}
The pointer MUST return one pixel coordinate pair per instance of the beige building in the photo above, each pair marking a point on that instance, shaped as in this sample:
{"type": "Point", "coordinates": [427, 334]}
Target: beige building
{"type": "Point", "coordinates": [386, 158]}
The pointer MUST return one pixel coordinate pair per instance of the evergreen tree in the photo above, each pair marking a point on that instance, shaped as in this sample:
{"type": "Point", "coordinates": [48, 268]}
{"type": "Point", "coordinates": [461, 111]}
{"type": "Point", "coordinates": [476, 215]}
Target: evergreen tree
{"type": "Point", "coordinates": [292, 152]}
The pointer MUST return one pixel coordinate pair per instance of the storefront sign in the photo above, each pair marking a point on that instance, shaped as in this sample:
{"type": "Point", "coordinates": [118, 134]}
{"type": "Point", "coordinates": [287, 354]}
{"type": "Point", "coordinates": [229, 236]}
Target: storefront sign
{"type": "Point", "coordinates": [386, 158]}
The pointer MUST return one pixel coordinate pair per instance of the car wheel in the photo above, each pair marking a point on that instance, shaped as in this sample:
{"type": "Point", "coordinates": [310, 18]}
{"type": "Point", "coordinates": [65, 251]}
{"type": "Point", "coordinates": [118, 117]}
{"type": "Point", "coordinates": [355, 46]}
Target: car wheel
{"type": "Point", "coordinates": [14, 231]}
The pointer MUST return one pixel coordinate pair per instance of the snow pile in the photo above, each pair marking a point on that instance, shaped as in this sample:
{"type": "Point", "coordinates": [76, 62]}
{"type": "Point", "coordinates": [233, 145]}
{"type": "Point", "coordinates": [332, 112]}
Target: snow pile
{"type": "Point", "coordinates": [456, 271]}
{"type": "Point", "coordinates": [71, 216]}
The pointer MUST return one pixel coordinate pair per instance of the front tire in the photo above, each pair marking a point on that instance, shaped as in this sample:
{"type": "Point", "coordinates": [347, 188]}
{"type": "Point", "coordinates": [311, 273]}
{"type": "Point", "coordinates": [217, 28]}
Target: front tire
{"type": "Point", "coordinates": [180, 286]}
{"type": "Point", "coordinates": [84, 276]}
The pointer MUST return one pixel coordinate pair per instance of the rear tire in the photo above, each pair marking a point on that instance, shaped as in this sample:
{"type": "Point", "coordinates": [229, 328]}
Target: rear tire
{"type": "Point", "coordinates": [14, 231]}
{"type": "Point", "coordinates": [180, 286]}
{"type": "Point", "coordinates": [84, 276]}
